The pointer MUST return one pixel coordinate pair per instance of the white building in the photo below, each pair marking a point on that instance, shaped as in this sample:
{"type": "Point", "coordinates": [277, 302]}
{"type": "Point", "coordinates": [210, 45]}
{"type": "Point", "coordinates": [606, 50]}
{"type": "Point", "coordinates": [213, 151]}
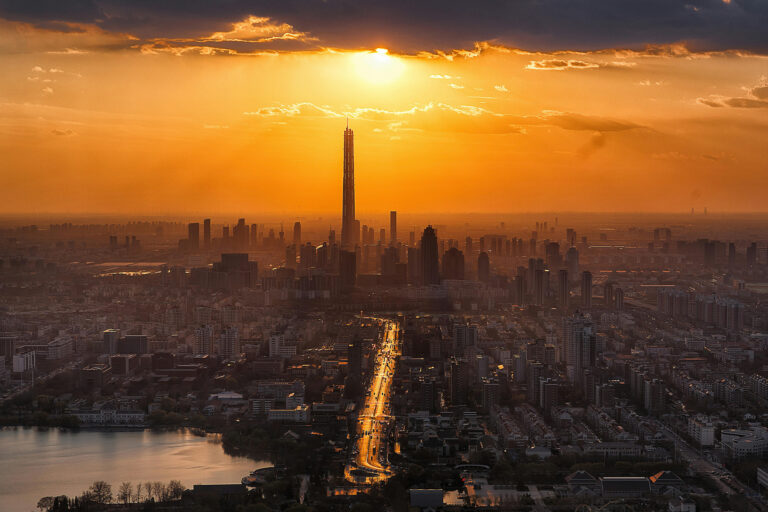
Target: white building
{"type": "Point", "coordinates": [702, 430]}
{"type": "Point", "coordinates": [300, 414]}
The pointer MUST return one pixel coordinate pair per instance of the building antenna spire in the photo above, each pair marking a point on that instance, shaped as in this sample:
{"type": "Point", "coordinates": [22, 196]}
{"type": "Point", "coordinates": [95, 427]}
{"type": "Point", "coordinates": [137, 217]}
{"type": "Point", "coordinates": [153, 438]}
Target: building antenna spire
{"type": "Point", "coordinates": [347, 121]}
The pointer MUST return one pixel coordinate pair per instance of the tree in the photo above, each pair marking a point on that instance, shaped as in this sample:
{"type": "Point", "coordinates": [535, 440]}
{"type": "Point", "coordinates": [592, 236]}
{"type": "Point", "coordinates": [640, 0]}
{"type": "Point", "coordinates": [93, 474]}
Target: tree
{"type": "Point", "coordinates": [139, 492]}
{"type": "Point", "coordinates": [158, 491]}
{"type": "Point", "coordinates": [100, 492]}
{"type": "Point", "coordinates": [175, 489]}
{"type": "Point", "coordinates": [125, 492]}
{"type": "Point", "coordinates": [45, 503]}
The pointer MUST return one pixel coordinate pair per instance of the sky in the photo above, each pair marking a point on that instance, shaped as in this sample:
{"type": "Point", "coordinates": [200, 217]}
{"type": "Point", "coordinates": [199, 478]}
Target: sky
{"type": "Point", "coordinates": [234, 107]}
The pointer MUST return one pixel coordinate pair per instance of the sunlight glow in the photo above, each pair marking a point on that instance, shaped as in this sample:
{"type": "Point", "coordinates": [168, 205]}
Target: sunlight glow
{"type": "Point", "coordinates": [378, 67]}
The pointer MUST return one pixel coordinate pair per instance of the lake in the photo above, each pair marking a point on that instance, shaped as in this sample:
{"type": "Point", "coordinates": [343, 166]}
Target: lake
{"type": "Point", "coordinates": [36, 463]}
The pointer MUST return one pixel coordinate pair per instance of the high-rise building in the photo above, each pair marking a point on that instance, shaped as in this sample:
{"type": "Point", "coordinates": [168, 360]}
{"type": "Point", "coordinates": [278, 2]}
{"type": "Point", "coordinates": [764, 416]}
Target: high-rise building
{"type": "Point", "coordinates": [483, 267]}
{"type": "Point", "coordinates": [430, 271]}
{"type": "Point", "coordinates": [203, 340]}
{"type": "Point", "coordinates": [393, 227]}
{"type": "Point", "coordinates": [563, 289]}
{"type": "Point", "coordinates": [349, 231]}
{"type": "Point", "coordinates": [229, 343]}
{"type": "Point", "coordinates": [586, 290]}
{"type": "Point", "coordinates": [297, 233]}
{"type": "Point", "coordinates": [572, 262]}
{"type": "Point", "coordinates": [111, 337]}
{"type": "Point", "coordinates": [207, 233]}
{"type": "Point", "coordinates": [347, 269]}
{"type": "Point", "coordinates": [453, 264]}
{"type": "Point", "coordinates": [193, 231]}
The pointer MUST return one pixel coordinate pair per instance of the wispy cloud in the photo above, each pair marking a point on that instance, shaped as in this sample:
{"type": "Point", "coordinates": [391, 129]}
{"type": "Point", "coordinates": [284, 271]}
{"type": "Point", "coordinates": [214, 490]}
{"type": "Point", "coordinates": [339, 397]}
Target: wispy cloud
{"type": "Point", "coordinates": [757, 97]}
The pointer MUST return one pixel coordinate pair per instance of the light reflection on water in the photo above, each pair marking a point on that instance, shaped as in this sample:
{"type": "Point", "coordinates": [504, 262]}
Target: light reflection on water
{"type": "Point", "coordinates": [39, 463]}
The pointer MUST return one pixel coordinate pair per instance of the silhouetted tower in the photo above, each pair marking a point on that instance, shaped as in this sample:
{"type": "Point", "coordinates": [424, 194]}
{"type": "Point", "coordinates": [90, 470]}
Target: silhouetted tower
{"type": "Point", "coordinates": [193, 230]}
{"type": "Point", "coordinates": [348, 237]}
{"type": "Point", "coordinates": [393, 227]}
{"type": "Point", "coordinates": [563, 288]}
{"type": "Point", "coordinates": [586, 289]}
{"type": "Point", "coordinates": [297, 233]}
{"type": "Point", "coordinates": [430, 272]}
{"type": "Point", "coordinates": [483, 267]}
{"type": "Point", "coordinates": [207, 233]}
{"type": "Point", "coordinates": [453, 264]}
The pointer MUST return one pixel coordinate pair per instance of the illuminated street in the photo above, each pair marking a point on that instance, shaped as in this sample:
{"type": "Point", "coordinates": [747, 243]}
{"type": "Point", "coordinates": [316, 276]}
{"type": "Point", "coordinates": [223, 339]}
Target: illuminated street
{"type": "Point", "coordinates": [369, 459]}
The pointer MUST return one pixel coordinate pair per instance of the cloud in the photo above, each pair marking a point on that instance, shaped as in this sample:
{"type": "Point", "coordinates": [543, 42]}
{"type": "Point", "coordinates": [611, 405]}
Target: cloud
{"type": "Point", "coordinates": [260, 30]}
{"type": "Point", "coordinates": [455, 86]}
{"type": "Point", "coordinates": [432, 25]}
{"type": "Point", "coordinates": [63, 133]}
{"type": "Point", "coordinates": [757, 97]}
{"type": "Point", "coordinates": [47, 90]}
{"type": "Point", "coordinates": [560, 65]}
{"type": "Point", "coordinates": [442, 117]}
{"type": "Point", "coordinates": [501, 88]}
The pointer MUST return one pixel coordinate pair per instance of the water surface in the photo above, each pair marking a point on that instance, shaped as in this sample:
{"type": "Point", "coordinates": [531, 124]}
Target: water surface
{"type": "Point", "coordinates": [36, 463]}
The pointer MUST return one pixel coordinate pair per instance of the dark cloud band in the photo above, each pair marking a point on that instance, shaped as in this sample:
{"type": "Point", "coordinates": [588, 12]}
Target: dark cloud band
{"type": "Point", "coordinates": [405, 25]}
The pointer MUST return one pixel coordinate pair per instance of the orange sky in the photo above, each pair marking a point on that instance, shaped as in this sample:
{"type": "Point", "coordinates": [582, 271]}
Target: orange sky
{"type": "Point", "coordinates": [158, 129]}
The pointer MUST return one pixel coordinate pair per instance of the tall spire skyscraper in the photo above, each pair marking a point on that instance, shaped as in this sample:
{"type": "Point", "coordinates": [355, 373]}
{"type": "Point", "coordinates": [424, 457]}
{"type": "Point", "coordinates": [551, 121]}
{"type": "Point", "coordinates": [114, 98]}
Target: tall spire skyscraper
{"type": "Point", "coordinates": [348, 236]}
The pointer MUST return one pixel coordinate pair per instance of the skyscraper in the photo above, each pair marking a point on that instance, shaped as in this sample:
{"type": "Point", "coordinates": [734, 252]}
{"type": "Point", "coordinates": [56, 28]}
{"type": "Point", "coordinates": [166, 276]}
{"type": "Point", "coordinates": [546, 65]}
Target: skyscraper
{"type": "Point", "coordinates": [586, 289]}
{"type": "Point", "coordinates": [393, 227]}
{"type": "Point", "coordinates": [297, 233]}
{"type": "Point", "coordinates": [348, 224]}
{"type": "Point", "coordinates": [483, 267]}
{"type": "Point", "coordinates": [207, 233]}
{"type": "Point", "coordinates": [193, 230]}
{"type": "Point", "coordinates": [430, 271]}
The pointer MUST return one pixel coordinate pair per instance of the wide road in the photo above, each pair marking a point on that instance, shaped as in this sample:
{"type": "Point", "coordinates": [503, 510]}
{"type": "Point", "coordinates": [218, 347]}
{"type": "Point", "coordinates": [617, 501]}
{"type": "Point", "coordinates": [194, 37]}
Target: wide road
{"type": "Point", "coordinates": [369, 461]}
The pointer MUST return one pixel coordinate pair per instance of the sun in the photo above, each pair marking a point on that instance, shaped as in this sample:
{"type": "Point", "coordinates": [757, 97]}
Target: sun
{"type": "Point", "coordinates": [378, 67]}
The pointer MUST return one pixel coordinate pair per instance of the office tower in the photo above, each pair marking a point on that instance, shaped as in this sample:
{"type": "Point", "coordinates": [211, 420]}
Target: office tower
{"type": "Point", "coordinates": [618, 298]}
{"type": "Point", "coordinates": [459, 384]}
{"type": "Point", "coordinates": [207, 233]}
{"type": "Point", "coordinates": [355, 358]}
{"type": "Point", "coordinates": [538, 286]}
{"type": "Point", "coordinates": [468, 245]}
{"type": "Point", "coordinates": [133, 344]}
{"type": "Point", "coordinates": [752, 254]}
{"type": "Point", "coordinates": [331, 236]}
{"type": "Point", "coordinates": [240, 234]}
{"type": "Point", "coordinates": [586, 289]}
{"type": "Point", "coordinates": [412, 239]}
{"type": "Point", "coordinates": [572, 262]}
{"type": "Point", "coordinates": [347, 269]}
{"type": "Point", "coordinates": [563, 288]}
{"type": "Point", "coordinates": [307, 257]}
{"type": "Point", "coordinates": [608, 294]}
{"type": "Point", "coordinates": [110, 337]}
{"type": "Point", "coordinates": [276, 341]}
{"type": "Point", "coordinates": [464, 336]}
{"type": "Point", "coordinates": [552, 255]}
{"type": "Point", "coordinates": [229, 346]}
{"type": "Point", "coordinates": [254, 235]}
{"type": "Point", "coordinates": [349, 235]}
{"type": "Point", "coordinates": [453, 264]}
{"type": "Point", "coordinates": [414, 265]}
{"type": "Point", "coordinates": [203, 340]}
{"type": "Point", "coordinates": [393, 227]}
{"type": "Point", "coordinates": [483, 267]}
{"type": "Point", "coordinates": [297, 233]}
{"type": "Point", "coordinates": [382, 235]}
{"type": "Point", "coordinates": [533, 373]}
{"type": "Point", "coordinates": [580, 345]}
{"type": "Point", "coordinates": [290, 256]}
{"type": "Point", "coordinates": [430, 272]}
{"type": "Point", "coordinates": [193, 235]}
{"type": "Point", "coordinates": [731, 255]}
